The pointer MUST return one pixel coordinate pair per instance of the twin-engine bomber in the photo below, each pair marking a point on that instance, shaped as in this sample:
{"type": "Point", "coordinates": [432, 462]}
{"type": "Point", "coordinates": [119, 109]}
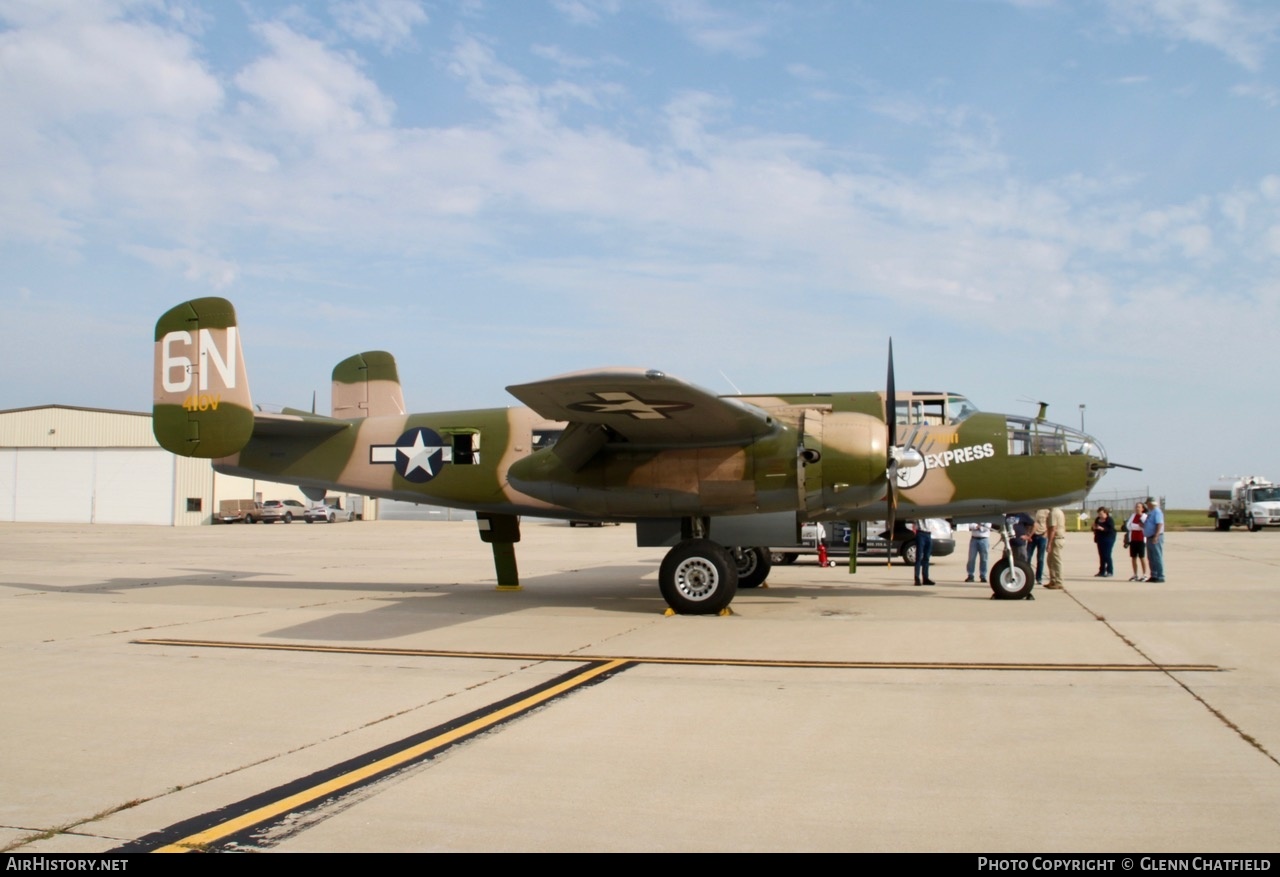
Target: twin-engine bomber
{"type": "Point", "coordinates": [714, 478]}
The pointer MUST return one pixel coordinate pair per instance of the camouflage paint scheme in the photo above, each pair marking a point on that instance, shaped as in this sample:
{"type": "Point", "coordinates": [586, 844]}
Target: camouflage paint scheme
{"type": "Point", "coordinates": [629, 444]}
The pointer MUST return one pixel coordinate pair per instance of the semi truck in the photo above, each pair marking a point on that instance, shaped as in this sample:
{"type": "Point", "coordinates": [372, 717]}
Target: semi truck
{"type": "Point", "coordinates": [1251, 501]}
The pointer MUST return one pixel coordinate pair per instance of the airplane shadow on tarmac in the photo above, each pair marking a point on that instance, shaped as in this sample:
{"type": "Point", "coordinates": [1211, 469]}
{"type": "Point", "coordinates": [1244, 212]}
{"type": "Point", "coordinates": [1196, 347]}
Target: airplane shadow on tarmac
{"type": "Point", "coordinates": [404, 609]}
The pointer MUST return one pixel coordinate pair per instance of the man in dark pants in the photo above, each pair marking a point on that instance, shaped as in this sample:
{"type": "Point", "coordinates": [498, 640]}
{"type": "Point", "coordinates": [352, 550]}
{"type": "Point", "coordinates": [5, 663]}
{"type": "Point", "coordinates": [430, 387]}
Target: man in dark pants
{"type": "Point", "coordinates": [1039, 543]}
{"type": "Point", "coordinates": [924, 550]}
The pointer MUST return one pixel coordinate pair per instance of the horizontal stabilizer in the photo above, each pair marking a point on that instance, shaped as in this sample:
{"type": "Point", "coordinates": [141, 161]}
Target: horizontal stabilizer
{"type": "Point", "coordinates": [296, 424]}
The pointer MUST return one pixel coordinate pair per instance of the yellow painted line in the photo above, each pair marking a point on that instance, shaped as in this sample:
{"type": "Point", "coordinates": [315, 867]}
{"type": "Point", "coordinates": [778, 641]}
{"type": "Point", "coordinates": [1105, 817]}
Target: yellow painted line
{"type": "Point", "coordinates": [710, 662]}
{"type": "Point", "coordinates": [293, 802]}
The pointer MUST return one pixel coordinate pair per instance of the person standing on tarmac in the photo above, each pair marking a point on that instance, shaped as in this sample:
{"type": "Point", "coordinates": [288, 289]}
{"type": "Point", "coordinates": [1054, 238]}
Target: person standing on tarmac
{"type": "Point", "coordinates": [1039, 543]}
{"type": "Point", "coordinates": [1153, 530]}
{"type": "Point", "coordinates": [1055, 533]}
{"type": "Point", "coordinates": [1104, 536]}
{"type": "Point", "coordinates": [1135, 541]}
{"type": "Point", "coordinates": [979, 547]}
{"type": "Point", "coordinates": [924, 550]}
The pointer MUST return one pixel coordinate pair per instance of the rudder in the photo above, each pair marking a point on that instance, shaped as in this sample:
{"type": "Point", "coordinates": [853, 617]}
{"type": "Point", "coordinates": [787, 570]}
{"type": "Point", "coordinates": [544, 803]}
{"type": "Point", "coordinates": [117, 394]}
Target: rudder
{"type": "Point", "coordinates": [367, 385]}
{"type": "Point", "coordinates": [202, 406]}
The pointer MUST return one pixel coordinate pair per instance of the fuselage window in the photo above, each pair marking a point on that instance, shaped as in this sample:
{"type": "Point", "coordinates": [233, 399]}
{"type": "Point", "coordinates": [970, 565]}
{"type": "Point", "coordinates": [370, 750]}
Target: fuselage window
{"type": "Point", "coordinates": [466, 448]}
{"type": "Point", "coordinates": [545, 438]}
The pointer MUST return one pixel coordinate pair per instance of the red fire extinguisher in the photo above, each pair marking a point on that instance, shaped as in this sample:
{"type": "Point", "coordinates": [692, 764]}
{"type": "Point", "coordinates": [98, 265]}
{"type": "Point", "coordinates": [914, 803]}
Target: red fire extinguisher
{"type": "Point", "coordinates": [822, 553]}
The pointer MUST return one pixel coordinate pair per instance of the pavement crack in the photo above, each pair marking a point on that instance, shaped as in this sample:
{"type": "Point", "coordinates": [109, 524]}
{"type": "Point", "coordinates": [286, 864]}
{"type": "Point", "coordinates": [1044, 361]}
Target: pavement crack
{"type": "Point", "coordinates": [1240, 732]}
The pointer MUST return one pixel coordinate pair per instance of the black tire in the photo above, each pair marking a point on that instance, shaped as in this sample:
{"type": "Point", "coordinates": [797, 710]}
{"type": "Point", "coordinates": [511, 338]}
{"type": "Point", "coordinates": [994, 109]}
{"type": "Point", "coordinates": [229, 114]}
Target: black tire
{"type": "Point", "coordinates": [753, 567]}
{"type": "Point", "coordinates": [333, 519]}
{"type": "Point", "coordinates": [908, 552]}
{"type": "Point", "coordinates": [782, 557]}
{"type": "Point", "coordinates": [308, 520]}
{"type": "Point", "coordinates": [1253, 526]}
{"type": "Point", "coordinates": [248, 519]}
{"type": "Point", "coordinates": [698, 577]}
{"type": "Point", "coordinates": [1223, 524]}
{"type": "Point", "coordinates": [288, 517]}
{"type": "Point", "coordinates": [1012, 582]}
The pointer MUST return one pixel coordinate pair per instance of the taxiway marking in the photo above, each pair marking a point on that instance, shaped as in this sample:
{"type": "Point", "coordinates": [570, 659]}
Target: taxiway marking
{"type": "Point", "coordinates": [260, 811]}
{"type": "Point", "coordinates": [717, 662]}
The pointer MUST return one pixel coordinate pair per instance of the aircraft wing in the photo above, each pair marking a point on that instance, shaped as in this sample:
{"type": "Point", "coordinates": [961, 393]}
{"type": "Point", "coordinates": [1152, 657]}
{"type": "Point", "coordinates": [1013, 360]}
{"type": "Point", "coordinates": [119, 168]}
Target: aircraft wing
{"type": "Point", "coordinates": [645, 407]}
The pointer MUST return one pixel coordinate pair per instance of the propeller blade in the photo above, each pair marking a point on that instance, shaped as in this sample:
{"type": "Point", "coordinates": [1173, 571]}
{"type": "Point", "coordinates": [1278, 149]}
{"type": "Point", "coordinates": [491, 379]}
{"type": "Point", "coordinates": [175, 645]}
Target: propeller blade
{"type": "Point", "coordinates": [891, 470]}
{"type": "Point", "coordinates": [891, 402]}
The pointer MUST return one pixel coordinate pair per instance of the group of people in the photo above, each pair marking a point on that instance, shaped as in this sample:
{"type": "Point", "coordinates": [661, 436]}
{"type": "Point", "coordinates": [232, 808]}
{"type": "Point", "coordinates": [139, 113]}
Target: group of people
{"type": "Point", "coordinates": [1143, 536]}
{"type": "Point", "coordinates": [1035, 539]}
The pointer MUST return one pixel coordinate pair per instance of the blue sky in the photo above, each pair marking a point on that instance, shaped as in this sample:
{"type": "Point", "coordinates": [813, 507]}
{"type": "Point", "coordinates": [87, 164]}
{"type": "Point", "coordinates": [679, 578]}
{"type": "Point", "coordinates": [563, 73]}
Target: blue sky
{"type": "Point", "coordinates": [1038, 199]}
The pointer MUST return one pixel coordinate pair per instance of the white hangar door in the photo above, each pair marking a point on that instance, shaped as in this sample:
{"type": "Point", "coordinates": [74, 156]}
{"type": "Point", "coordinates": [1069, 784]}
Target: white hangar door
{"type": "Point", "coordinates": [133, 486]}
{"type": "Point", "coordinates": [89, 485]}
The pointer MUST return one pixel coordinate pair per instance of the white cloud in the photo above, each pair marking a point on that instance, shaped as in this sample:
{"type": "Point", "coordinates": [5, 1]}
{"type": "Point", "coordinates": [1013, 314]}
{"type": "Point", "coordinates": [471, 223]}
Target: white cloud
{"type": "Point", "coordinates": [586, 12]}
{"type": "Point", "coordinates": [1238, 30]}
{"type": "Point", "coordinates": [196, 267]}
{"type": "Point", "coordinates": [310, 88]}
{"type": "Point", "coordinates": [718, 30]}
{"type": "Point", "coordinates": [75, 62]}
{"type": "Point", "coordinates": [388, 24]}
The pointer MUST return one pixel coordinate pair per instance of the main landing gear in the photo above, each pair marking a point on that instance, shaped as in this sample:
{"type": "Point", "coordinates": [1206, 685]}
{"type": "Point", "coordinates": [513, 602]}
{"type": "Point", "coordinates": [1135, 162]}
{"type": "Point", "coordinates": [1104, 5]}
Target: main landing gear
{"type": "Point", "coordinates": [700, 577]}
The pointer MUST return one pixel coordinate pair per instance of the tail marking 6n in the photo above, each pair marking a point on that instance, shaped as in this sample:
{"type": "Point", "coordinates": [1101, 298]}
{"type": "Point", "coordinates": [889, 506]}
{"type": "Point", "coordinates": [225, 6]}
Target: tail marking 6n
{"type": "Point", "coordinates": [225, 364]}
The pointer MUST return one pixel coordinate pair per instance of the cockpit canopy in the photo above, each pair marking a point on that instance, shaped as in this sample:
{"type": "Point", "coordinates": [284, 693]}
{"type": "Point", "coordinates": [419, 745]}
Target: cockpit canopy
{"type": "Point", "coordinates": [932, 408]}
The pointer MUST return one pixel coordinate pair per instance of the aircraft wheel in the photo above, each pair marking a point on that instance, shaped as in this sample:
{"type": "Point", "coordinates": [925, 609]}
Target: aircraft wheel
{"type": "Point", "coordinates": [908, 552]}
{"type": "Point", "coordinates": [1011, 582]}
{"type": "Point", "coordinates": [753, 566]}
{"type": "Point", "coordinates": [698, 577]}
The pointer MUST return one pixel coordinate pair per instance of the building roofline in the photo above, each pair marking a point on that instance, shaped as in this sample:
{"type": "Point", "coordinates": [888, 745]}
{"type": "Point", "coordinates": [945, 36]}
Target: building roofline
{"type": "Point", "coordinates": [75, 408]}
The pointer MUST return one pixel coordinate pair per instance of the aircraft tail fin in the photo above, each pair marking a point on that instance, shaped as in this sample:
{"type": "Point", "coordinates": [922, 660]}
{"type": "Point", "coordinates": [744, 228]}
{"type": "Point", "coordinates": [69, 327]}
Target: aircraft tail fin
{"type": "Point", "coordinates": [201, 406]}
{"type": "Point", "coordinates": [367, 385]}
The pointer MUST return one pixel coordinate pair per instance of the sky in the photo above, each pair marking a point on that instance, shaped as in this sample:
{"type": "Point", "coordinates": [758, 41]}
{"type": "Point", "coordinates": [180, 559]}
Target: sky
{"type": "Point", "coordinates": [1038, 200]}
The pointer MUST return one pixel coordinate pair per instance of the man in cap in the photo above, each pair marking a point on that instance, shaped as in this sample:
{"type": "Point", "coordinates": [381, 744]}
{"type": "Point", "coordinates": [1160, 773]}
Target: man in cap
{"type": "Point", "coordinates": [1153, 535]}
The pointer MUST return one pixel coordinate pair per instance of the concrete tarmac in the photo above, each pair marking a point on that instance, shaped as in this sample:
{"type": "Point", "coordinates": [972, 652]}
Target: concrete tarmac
{"type": "Point", "coordinates": [829, 712]}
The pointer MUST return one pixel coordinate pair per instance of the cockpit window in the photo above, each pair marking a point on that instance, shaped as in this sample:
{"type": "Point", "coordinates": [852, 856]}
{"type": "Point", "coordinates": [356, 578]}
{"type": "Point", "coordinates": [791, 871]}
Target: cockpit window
{"type": "Point", "coordinates": [932, 409]}
{"type": "Point", "coordinates": [959, 408]}
{"type": "Point", "coordinates": [1027, 437]}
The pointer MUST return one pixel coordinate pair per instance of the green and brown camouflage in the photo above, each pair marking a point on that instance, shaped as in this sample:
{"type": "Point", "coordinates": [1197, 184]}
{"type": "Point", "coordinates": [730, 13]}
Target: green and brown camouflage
{"type": "Point", "coordinates": [620, 443]}
{"type": "Point", "coordinates": [201, 404]}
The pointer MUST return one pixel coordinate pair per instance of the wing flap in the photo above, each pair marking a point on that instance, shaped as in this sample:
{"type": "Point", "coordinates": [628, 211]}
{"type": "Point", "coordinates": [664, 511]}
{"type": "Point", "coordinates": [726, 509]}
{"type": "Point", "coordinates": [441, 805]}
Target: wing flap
{"type": "Point", "coordinates": [646, 407]}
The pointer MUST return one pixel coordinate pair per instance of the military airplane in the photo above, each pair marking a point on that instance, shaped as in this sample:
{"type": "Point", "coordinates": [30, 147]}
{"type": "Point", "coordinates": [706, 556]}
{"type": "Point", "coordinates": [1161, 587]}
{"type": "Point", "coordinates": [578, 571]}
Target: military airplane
{"type": "Point", "coordinates": [713, 478]}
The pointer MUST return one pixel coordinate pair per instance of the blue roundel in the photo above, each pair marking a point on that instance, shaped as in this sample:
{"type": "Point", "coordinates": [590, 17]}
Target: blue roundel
{"type": "Point", "coordinates": [420, 455]}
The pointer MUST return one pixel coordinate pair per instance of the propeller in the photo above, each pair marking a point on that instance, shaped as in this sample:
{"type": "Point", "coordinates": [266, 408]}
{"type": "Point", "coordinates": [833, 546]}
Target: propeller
{"type": "Point", "coordinates": [891, 470]}
{"type": "Point", "coordinates": [897, 455]}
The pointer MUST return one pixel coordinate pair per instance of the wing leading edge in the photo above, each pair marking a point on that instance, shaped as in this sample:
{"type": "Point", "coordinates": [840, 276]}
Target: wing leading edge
{"type": "Point", "coordinates": [646, 408]}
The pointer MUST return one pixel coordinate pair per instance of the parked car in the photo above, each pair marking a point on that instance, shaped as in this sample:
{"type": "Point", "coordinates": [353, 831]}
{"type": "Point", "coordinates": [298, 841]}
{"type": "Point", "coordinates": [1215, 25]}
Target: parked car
{"type": "Point", "coordinates": [330, 511]}
{"type": "Point", "coordinates": [282, 510]}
